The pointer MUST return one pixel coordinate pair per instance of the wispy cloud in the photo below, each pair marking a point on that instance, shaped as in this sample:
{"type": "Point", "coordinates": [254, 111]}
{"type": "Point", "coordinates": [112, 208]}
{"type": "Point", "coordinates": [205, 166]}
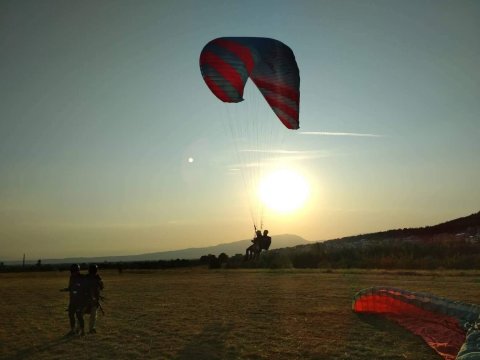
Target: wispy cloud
{"type": "Point", "coordinates": [283, 152]}
{"type": "Point", "coordinates": [289, 154]}
{"type": "Point", "coordinates": [328, 133]}
{"type": "Point", "coordinates": [271, 157]}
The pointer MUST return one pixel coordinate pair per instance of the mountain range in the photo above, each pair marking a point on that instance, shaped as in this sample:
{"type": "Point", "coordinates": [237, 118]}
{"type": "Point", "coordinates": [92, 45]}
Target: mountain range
{"type": "Point", "coordinates": [236, 247]}
{"type": "Point", "coordinates": [467, 227]}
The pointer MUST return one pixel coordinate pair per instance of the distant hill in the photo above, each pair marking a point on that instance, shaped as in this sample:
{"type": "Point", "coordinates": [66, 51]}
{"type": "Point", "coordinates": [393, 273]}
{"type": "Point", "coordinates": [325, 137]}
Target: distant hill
{"type": "Point", "coordinates": [468, 225]}
{"type": "Point", "coordinates": [237, 247]}
{"type": "Point", "coordinates": [454, 244]}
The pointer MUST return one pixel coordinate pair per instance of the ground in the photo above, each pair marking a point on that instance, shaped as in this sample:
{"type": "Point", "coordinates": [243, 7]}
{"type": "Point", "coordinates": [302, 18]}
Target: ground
{"type": "Point", "coordinates": [219, 314]}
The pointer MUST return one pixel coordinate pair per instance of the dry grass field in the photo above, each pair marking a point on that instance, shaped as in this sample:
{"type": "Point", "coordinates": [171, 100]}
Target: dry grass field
{"type": "Point", "coordinates": [221, 314]}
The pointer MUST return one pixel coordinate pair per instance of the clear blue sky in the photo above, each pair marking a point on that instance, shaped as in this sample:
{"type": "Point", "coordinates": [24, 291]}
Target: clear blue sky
{"type": "Point", "coordinates": [102, 103]}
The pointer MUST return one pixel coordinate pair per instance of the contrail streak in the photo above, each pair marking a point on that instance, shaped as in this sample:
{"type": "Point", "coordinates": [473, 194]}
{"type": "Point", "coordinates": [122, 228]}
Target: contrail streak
{"type": "Point", "coordinates": [326, 133]}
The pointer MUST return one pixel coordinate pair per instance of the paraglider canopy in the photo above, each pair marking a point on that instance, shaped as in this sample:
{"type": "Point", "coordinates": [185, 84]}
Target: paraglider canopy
{"type": "Point", "coordinates": [439, 321]}
{"type": "Point", "coordinates": [226, 64]}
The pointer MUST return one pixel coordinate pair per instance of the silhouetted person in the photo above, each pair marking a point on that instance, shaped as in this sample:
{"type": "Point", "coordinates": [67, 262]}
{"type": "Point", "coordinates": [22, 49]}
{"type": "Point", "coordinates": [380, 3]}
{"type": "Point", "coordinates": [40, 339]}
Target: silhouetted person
{"type": "Point", "coordinates": [94, 286]}
{"type": "Point", "coordinates": [258, 237]}
{"type": "Point", "coordinates": [254, 249]}
{"type": "Point", "coordinates": [78, 300]}
{"type": "Point", "coordinates": [267, 240]}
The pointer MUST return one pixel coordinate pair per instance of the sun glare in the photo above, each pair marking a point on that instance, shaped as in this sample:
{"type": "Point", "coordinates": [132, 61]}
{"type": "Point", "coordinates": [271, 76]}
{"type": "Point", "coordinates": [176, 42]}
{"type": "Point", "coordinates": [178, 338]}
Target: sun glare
{"type": "Point", "coordinates": [283, 191]}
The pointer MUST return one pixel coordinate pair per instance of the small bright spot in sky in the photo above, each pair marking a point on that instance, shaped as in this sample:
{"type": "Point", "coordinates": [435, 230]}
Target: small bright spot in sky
{"type": "Point", "coordinates": [283, 191]}
{"type": "Point", "coordinates": [190, 159]}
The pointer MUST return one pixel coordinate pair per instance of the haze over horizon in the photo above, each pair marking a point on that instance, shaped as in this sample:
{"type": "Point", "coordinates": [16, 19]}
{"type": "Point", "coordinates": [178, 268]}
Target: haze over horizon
{"type": "Point", "coordinates": [111, 144]}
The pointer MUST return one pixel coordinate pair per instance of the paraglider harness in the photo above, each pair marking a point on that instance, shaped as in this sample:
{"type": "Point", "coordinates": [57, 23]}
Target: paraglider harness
{"type": "Point", "coordinates": [264, 240]}
{"type": "Point", "coordinates": [260, 242]}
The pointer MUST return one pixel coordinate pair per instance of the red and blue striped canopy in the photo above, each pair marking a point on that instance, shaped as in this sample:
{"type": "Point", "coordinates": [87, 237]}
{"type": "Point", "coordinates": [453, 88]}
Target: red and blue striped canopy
{"type": "Point", "coordinates": [439, 321]}
{"type": "Point", "coordinates": [227, 63]}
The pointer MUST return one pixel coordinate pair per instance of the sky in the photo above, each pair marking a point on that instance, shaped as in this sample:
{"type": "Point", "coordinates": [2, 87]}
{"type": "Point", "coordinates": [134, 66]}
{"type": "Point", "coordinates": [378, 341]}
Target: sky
{"type": "Point", "coordinates": [102, 104]}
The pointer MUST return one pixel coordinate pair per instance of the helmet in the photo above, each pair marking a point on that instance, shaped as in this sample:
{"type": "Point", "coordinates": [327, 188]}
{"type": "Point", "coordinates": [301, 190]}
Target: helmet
{"type": "Point", "coordinates": [92, 269]}
{"type": "Point", "coordinates": [74, 268]}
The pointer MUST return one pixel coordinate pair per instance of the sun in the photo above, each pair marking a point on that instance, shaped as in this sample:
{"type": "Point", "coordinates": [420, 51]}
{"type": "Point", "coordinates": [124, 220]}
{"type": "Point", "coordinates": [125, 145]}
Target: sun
{"type": "Point", "coordinates": [283, 191]}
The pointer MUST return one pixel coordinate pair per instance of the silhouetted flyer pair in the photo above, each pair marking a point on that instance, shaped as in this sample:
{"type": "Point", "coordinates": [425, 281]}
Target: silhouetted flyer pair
{"type": "Point", "coordinates": [260, 242]}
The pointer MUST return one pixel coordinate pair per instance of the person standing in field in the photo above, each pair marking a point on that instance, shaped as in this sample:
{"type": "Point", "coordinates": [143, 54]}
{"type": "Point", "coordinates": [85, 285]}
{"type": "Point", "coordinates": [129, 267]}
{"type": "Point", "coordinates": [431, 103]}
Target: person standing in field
{"type": "Point", "coordinates": [95, 285]}
{"type": "Point", "coordinates": [78, 300]}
